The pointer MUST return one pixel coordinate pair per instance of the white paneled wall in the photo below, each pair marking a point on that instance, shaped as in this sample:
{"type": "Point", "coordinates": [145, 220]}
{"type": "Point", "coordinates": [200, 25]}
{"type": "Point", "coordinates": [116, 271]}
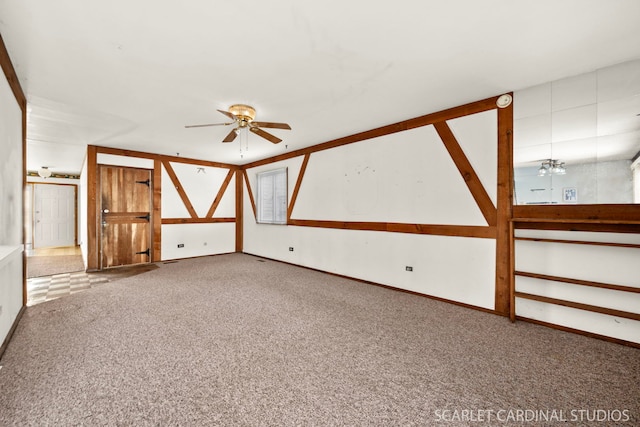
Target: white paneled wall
{"type": "Point", "coordinates": [11, 208]}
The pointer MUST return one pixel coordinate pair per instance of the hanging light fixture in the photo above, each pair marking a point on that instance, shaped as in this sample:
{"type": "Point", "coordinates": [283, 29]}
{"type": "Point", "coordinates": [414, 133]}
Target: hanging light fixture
{"type": "Point", "coordinates": [552, 167]}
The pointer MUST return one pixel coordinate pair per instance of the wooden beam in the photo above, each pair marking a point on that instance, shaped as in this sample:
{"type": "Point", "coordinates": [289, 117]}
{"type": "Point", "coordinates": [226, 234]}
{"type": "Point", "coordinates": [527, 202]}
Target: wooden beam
{"type": "Point", "coordinates": [196, 220]}
{"type": "Point", "coordinates": [580, 306]}
{"type": "Point", "coordinates": [451, 113]}
{"type": "Point", "coordinates": [157, 211]}
{"type": "Point", "coordinates": [579, 242]}
{"type": "Point", "coordinates": [221, 191]}
{"type": "Point", "coordinates": [12, 77]}
{"type": "Point", "coordinates": [162, 157]}
{"type": "Point", "coordinates": [504, 233]}
{"type": "Point", "coordinates": [394, 227]}
{"type": "Point", "coordinates": [239, 211]}
{"type": "Point", "coordinates": [296, 189]}
{"type": "Point", "coordinates": [575, 214]}
{"type": "Point", "coordinates": [250, 193]}
{"type": "Point", "coordinates": [468, 173]}
{"type": "Point", "coordinates": [561, 225]}
{"type": "Point", "coordinates": [178, 186]}
{"type": "Point", "coordinates": [578, 282]}
{"type": "Point", "coordinates": [93, 216]}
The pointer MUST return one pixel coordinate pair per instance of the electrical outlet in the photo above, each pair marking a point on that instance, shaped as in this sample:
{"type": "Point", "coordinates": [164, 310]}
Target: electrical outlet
{"type": "Point", "coordinates": [290, 248]}
{"type": "Point", "coordinates": [408, 268]}
{"type": "Point", "coordinates": [0, 310]}
{"type": "Point", "coordinates": [181, 245]}
{"type": "Point", "coordinates": [205, 243]}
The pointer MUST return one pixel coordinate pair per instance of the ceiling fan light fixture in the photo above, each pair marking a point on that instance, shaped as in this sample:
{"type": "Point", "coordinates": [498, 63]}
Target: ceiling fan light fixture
{"type": "Point", "coordinates": [243, 112]}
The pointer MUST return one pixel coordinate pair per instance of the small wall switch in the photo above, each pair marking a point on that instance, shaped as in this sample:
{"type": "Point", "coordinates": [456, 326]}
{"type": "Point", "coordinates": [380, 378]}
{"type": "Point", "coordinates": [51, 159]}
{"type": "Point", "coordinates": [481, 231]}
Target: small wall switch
{"type": "Point", "coordinates": [408, 268]}
{"type": "Point", "coordinates": [290, 248]}
{"type": "Point", "coordinates": [181, 245]}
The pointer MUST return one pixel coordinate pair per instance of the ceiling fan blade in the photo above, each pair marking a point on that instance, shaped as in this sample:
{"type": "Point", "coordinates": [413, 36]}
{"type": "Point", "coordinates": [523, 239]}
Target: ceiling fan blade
{"type": "Point", "coordinates": [228, 114]}
{"type": "Point", "coordinates": [271, 125]}
{"type": "Point", "coordinates": [231, 136]}
{"type": "Point", "coordinates": [265, 135]}
{"type": "Point", "coordinates": [210, 124]}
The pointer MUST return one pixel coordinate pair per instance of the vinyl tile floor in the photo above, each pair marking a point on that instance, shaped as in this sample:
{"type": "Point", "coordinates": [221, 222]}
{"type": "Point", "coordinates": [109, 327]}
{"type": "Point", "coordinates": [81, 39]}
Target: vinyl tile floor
{"type": "Point", "coordinates": [47, 288]}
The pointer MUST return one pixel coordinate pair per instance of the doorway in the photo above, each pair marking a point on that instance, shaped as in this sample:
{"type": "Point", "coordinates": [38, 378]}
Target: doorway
{"type": "Point", "coordinates": [125, 216]}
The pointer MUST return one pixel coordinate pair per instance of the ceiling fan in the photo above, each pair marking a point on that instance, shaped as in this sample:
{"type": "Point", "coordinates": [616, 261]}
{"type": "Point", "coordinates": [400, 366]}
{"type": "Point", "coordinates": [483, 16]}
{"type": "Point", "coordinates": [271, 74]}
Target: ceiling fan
{"type": "Point", "coordinates": [243, 115]}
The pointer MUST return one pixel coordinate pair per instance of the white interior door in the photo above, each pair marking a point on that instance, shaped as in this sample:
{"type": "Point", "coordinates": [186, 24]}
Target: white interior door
{"type": "Point", "coordinates": [54, 215]}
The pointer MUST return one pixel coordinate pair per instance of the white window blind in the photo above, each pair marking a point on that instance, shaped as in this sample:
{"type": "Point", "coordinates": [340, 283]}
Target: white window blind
{"type": "Point", "coordinates": [272, 197]}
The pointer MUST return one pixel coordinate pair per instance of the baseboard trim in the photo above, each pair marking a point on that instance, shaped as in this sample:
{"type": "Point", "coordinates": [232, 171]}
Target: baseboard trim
{"type": "Point", "coordinates": [4, 345]}
{"type": "Point", "coordinates": [393, 288]}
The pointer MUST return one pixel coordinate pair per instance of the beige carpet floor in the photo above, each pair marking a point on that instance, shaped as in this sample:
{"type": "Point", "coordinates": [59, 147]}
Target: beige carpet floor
{"type": "Point", "coordinates": [233, 340]}
{"type": "Point", "coordinates": [38, 266]}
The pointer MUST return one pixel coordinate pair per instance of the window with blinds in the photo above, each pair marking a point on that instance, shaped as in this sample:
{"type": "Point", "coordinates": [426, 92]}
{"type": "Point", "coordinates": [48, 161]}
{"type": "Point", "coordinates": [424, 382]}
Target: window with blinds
{"type": "Point", "coordinates": [272, 197]}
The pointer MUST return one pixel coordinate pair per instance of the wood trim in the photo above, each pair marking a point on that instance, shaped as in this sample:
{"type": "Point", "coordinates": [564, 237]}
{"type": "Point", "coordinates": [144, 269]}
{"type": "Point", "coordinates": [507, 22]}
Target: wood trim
{"type": "Point", "coordinates": [178, 186]}
{"type": "Point", "coordinates": [162, 157]}
{"type": "Point", "coordinates": [393, 227]}
{"type": "Point", "coordinates": [196, 220]}
{"type": "Point", "coordinates": [578, 282]}
{"type": "Point", "coordinates": [560, 225]}
{"type": "Point", "coordinates": [12, 78]}
{"type": "Point", "coordinates": [469, 175]}
{"type": "Point", "coordinates": [23, 107]}
{"type": "Point", "coordinates": [512, 275]}
{"type": "Point", "coordinates": [239, 211]}
{"type": "Point", "coordinates": [393, 288]}
{"type": "Point", "coordinates": [156, 237]}
{"type": "Point", "coordinates": [504, 234]}
{"type": "Point", "coordinates": [579, 242]}
{"type": "Point", "coordinates": [296, 189]}
{"type": "Point", "coordinates": [578, 214]}
{"type": "Point", "coordinates": [580, 306]}
{"type": "Point", "coordinates": [428, 119]}
{"type": "Point", "coordinates": [250, 193]}
{"type": "Point", "coordinates": [223, 189]}
{"type": "Point", "coordinates": [579, 332]}
{"type": "Point", "coordinates": [93, 216]}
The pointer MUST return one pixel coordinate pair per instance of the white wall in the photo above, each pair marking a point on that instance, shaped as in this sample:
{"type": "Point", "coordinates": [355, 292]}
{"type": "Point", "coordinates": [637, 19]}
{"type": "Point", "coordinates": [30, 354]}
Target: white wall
{"type": "Point", "coordinates": [201, 184]}
{"type": "Point", "coordinates": [11, 208]}
{"type": "Point", "coordinates": [406, 177]}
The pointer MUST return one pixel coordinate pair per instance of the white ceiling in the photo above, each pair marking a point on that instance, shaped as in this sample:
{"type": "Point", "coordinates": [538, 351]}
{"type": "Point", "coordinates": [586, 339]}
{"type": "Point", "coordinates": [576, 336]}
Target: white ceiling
{"type": "Point", "coordinates": [131, 74]}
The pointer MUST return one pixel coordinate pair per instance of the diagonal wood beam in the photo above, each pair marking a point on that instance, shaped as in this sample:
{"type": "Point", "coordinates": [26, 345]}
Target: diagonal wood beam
{"type": "Point", "coordinates": [296, 189]}
{"type": "Point", "coordinates": [178, 186]}
{"type": "Point", "coordinates": [250, 193]}
{"type": "Point", "coordinates": [221, 192]}
{"type": "Point", "coordinates": [468, 174]}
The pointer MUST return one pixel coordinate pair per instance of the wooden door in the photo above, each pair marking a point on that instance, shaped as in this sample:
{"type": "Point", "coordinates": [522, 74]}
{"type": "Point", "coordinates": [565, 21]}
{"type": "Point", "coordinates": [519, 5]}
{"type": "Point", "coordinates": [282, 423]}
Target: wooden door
{"type": "Point", "coordinates": [125, 206]}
